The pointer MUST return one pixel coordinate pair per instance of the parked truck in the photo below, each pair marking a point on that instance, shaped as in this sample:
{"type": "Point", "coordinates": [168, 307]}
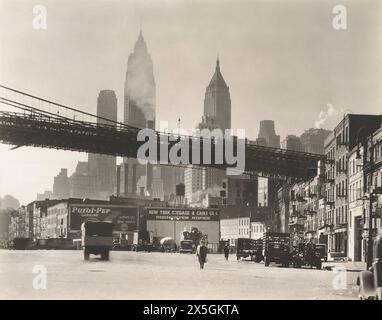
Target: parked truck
{"type": "Point", "coordinates": [97, 238]}
{"type": "Point", "coordinates": [249, 248]}
{"type": "Point", "coordinates": [143, 241]}
{"type": "Point", "coordinates": [277, 248]}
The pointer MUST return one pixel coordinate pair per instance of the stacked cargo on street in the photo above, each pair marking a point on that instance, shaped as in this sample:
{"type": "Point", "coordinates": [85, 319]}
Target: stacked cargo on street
{"type": "Point", "coordinates": [172, 222]}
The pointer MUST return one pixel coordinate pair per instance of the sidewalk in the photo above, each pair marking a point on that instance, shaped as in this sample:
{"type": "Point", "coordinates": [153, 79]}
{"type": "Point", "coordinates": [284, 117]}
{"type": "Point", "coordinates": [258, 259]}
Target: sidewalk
{"type": "Point", "coordinates": [355, 266]}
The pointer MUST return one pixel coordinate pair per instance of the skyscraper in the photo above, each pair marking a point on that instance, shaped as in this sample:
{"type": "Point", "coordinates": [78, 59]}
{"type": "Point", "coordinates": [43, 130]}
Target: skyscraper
{"type": "Point", "coordinates": [217, 115]}
{"type": "Point", "coordinates": [292, 142]}
{"type": "Point", "coordinates": [139, 94]}
{"type": "Point", "coordinates": [217, 102]}
{"type": "Point", "coordinates": [61, 185]}
{"type": "Point", "coordinates": [266, 187]}
{"type": "Point", "coordinates": [139, 111]}
{"type": "Point", "coordinates": [313, 140]}
{"type": "Point", "coordinates": [267, 132]}
{"type": "Point", "coordinates": [103, 167]}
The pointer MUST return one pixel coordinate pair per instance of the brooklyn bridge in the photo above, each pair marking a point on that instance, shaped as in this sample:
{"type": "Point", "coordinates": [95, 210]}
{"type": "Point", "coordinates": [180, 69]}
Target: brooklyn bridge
{"type": "Point", "coordinates": [29, 120]}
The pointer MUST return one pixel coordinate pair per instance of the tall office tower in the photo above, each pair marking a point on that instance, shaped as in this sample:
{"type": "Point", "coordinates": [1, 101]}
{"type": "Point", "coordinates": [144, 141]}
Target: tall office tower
{"type": "Point", "coordinates": [61, 185]}
{"type": "Point", "coordinates": [171, 177]}
{"type": "Point", "coordinates": [103, 167]}
{"type": "Point", "coordinates": [83, 184]}
{"type": "Point", "coordinates": [313, 140]}
{"type": "Point", "coordinates": [139, 111]}
{"type": "Point", "coordinates": [217, 101]}
{"type": "Point", "coordinates": [217, 115]}
{"type": "Point", "coordinates": [267, 132]}
{"type": "Point", "coordinates": [139, 102]}
{"type": "Point", "coordinates": [266, 187]}
{"type": "Point", "coordinates": [193, 183]}
{"type": "Point", "coordinates": [291, 142]}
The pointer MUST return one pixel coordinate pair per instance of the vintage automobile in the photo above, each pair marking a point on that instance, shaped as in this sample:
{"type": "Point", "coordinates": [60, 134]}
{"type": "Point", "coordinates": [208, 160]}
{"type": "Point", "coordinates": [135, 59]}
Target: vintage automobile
{"type": "Point", "coordinates": [277, 248]}
{"type": "Point", "coordinates": [370, 281]}
{"type": "Point", "coordinates": [186, 246]}
{"type": "Point", "coordinates": [302, 257]}
{"type": "Point", "coordinates": [142, 241]}
{"type": "Point", "coordinates": [249, 248]}
{"type": "Point", "coordinates": [168, 244]}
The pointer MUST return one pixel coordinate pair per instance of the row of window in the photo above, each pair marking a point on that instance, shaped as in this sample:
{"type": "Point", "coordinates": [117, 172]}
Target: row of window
{"type": "Point", "coordinates": [243, 232]}
{"type": "Point", "coordinates": [243, 222]}
{"type": "Point", "coordinates": [354, 168]}
{"type": "Point", "coordinates": [341, 165]}
{"type": "Point", "coordinates": [378, 150]}
{"type": "Point", "coordinates": [338, 216]}
{"type": "Point", "coordinates": [355, 190]}
{"type": "Point", "coordinates": [341, 189]}
{"type": "Point", "coordinates": [342, 138]}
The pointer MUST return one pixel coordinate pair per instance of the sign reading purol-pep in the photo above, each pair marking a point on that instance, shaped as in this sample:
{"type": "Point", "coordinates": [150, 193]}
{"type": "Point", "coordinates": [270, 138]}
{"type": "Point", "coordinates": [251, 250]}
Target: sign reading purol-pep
{"type": "Point", "coordinates": [123, 217]}
{"type": "Point", "coordinates": [183, 214]}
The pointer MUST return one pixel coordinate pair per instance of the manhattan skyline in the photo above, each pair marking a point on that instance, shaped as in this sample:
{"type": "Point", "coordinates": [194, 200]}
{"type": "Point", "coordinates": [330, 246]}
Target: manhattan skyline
{"type": "Point", "coordinates": [282, 62]}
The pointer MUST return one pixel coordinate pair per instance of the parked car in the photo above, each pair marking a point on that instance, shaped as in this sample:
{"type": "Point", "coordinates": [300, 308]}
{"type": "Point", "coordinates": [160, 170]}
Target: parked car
{"type": "Point", "coordinates": [370, 281]}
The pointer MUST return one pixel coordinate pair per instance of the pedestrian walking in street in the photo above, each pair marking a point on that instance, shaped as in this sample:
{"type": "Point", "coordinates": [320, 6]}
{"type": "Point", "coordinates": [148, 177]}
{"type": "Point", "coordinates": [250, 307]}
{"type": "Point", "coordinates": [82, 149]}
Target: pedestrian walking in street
{"type": "Point", "coordinates": [201, 253]}
{"type": "Point", "coordinates": [310, 247]}
{"type": "Point", "coordinates": [226, 252]}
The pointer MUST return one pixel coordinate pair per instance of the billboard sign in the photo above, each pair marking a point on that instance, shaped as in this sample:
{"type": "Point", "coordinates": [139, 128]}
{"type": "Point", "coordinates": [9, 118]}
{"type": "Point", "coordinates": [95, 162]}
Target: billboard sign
{"type": "Point", "coordinates": [183, 214]}
{"type": "Point", "coordinates": [123, 217]}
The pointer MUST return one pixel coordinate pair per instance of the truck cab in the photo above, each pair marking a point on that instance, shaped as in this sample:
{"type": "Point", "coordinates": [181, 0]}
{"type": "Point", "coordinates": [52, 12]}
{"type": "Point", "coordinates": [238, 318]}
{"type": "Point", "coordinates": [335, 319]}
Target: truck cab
{"type": "Point", "coordinates": [277, 248]}
{"type": "Point", "coordinates": [249, 248]}
{"type": "Point", "coordinates": [142, 241]}
{"type": "Point", "coordinates": [97, 238]}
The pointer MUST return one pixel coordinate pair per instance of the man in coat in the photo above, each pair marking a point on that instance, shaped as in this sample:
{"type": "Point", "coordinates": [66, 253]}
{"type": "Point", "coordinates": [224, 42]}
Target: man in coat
{"type": "Point", "coordinates": [226, 251]}
{"type": "Point", "coordinates": [201, 253]}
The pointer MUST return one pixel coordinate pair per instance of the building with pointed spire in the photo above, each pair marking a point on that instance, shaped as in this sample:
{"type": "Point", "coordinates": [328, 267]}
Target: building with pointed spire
{"type": "Point", "coordinates": [139, 92]}
{"type": "Point", "coordinates": [217, 102]}
{"type": "Point", "coordinates": [217, 115]}
{"type": "Point", "coordinates": [139, 111]}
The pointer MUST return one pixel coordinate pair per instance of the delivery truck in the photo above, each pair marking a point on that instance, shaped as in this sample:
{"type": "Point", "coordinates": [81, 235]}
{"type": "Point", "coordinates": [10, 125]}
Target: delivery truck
{"type": "Point", "coordinates": [97, 238]}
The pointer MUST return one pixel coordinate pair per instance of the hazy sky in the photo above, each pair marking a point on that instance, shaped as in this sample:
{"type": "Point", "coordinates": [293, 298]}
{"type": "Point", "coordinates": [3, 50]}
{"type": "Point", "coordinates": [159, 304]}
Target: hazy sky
{"type": "Point", "coordinates": [281, 59]}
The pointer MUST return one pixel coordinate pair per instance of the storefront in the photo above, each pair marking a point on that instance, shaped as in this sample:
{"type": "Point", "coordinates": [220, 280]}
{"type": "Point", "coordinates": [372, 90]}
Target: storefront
{"type": "Point", "coordinates": [339, 241]}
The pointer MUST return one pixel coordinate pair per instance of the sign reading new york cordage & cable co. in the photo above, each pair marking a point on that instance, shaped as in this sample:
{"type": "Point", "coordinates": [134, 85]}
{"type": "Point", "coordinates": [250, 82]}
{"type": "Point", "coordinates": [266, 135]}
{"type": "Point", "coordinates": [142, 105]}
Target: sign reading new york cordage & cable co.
{"type": "Point", "coordinates": [183, 214]}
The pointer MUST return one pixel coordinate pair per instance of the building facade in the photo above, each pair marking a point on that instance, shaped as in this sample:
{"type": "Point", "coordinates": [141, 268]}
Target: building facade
{"type": "Point", "coordinates": [313, 139]}
{"type": "Point", "coordinates": [267, 132]}
{"type": "Point", "coordinates": [346, 135]}
{"type": "Point", "coordinates": [240, 190]}
{"type": "Point", "coordinates": [103, 167]}
{"type": "Point", "coordinates": [292, 142]}
{"type": "Point", "coordinates": [61, 184]}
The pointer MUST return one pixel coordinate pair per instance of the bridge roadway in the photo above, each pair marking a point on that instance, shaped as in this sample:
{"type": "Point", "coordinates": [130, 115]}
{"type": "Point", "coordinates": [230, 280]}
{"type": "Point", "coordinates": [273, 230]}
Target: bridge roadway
{"type": "Point", "coordinates": [31, 128]}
